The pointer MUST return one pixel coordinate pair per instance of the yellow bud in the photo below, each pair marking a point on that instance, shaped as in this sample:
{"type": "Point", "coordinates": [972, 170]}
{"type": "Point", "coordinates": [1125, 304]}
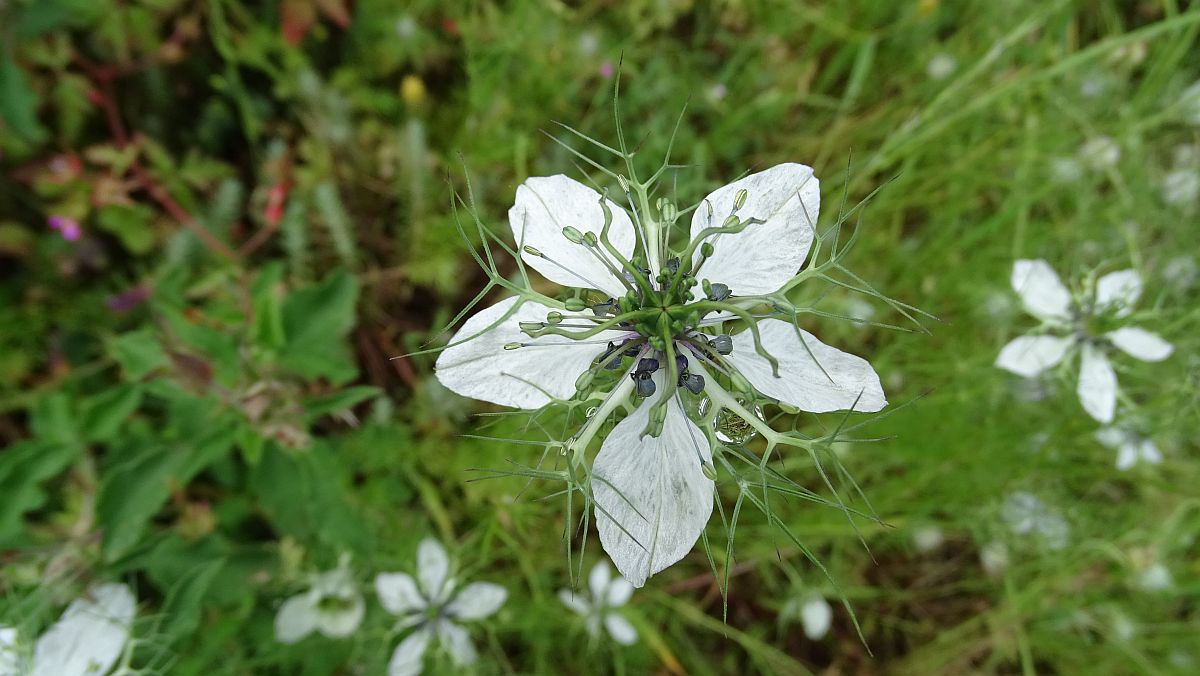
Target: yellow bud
{"type": "Point", "coordinates": [412, 88]}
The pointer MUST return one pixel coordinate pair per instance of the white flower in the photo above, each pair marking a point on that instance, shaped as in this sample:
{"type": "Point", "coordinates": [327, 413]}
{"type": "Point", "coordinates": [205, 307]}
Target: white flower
{"type": "Point", "coordinates": [814, 612]}
{"type": "Point", "coordinates": [608, 594]}
{"type": "Point", "coordinates": [1131, 447]}
{"type": "Point", "coordinates": [994, 558]}
{"type": "Point", "coordinates": [653, 492]}
{"type": "Point", "coordinates": [1065, 170]}
{"type": "Point", "coordinates": [1181, 272]}
{"type": "Point", "coordinates": [1100, 153]}
{"type": "Point", "coordinates": [1155, 577]}
{"type": "Point", "coordinates": [1189, 103]}
{"type": "Point", "coordinates": [9, 652]}
{"type": "Point", "coordinates": [940, 66]}
{"type": "Point", "coordinates": [1045, 297]}
{"type": "Point", "coordinates": [1181, 186]}
{"type": "Point", "coordinates": [90, 636]}
{"type": "Point", "coordinates": [1026, 514]}
{"type": "Point", "coordinates": [332, 606]}
{"type": "Point", "coordinates": [431, 604]}
{"type": "Point", "coordinates": [928, 538]}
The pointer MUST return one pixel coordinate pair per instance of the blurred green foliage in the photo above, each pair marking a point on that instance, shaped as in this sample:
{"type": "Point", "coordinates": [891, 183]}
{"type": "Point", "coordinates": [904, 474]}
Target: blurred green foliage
{"type": "Point", "coordinates": [201, 393]}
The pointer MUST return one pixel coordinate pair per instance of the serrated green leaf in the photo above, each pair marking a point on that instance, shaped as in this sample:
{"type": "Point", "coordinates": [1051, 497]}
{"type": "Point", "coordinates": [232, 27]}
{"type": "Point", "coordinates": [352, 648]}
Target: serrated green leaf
{"type": "Point", "coordinates": [23, 468]}
{"type": "Point", "coordinates": [101, 416]}
{"type": "Point", "coordinates": [139, 353]}
{"type": "Point", "coordinates": [316, 321]}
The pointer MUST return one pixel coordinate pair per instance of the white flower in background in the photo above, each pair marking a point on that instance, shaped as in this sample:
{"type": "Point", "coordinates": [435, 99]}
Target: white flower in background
{"type": "Point", "coordinates": [1100, 153]}
{"type": "Point", "coordinates": [1069, 326]}
{"type": "Point", "coordinates": [1181, 187]}
{"type": "Point", "coordinates": [10, 657]}
{"type": "Point", "coordinates": [940, 66]}
{"type": "Point", "coordinates": [1095, 84]}
{"type": "Point", "coordinates": [813, 611]}
{"type": "Point", "coordinates": [332, 606]}
{"type": "Point", "coordinates": [1189, 104]}
{"type": "Point", "coordinates": [652, 479]}
{"type": "Point", "coordinates": [1026, 514]}
{"type": "Point", "coordinates": [717, 92]}
{"type": "Point", "coordinates": [1181, 272]}
{"type": "Point", "coordinates": [1155, 577]}
{"type": "Point", "coordinates": [1065, 170]}
{"type": "Point", "coordinates": [431, 604]}
{"type": "Point", "coordinates": [994, 558]}
{"type": "Point", "coordinates": [608, 594]}
{"type": "Point", "coordinates": [1130, 446]}
{"type": "Point", "coordinates": [87, 640]}
{"type": "Point", "coordinates": [928, 538]}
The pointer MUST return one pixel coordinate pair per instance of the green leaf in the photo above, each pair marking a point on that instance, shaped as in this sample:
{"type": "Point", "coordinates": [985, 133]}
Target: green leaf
{"type": "Point", "coordinates": [315, 407]}
{"type": "Point", "coordinates": [182, 607]}
{"type": "Point", "coordinates": [316, 321]}
{"type": "Point", "coordinates": [138, 352]}
{"type": "Point", "coordinates": [305, 494]}
{"type": "Point", "coordinates": [130, 223]}
{"type": "Point", "coordinates": [18, 103]}
{"type": "Point", "coordinates": [267, 296]}
{"type": "Point", "coordinates": [23, 467]}
{"type": "Point", "coordinates": [102, 415]}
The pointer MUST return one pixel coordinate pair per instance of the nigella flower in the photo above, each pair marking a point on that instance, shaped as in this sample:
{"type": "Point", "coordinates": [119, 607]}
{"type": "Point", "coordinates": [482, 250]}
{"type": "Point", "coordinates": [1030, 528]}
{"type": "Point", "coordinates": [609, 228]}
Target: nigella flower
{"type": "Point", "coordinates": [666, 327]}
{"type": "Point", "coordinates": [1131, 447]}
{"type": "Point", "coordinates": [1087, 323]}
{"type": "Point", "coordinates": [608, 594]}
{"type": "Point", "coordinates": [332, 606]}
{"type": "Point", "coordinates": [1026, 514]}
{"type": "Point", "coordinates": [87, 640]}
{"type": "Point", "coordinates": [431, 604]}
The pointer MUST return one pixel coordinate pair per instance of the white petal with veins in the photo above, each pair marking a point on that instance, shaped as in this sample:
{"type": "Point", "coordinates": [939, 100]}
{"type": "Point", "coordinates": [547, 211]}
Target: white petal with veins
{"type": "Point", "coordinates": [1030, 355]}
{"type": "Point", "coordinates": [1118, 291]}
{"type": "Point", "coordinates": [1097, 387]}
{"type": "Point", "coordinates": [764, 256]}
{"type": "Point", "coordinates": [523, 378]}
{"type": "Point", "coordinates": [547, 204]}
{"type": "Point", "coordinates": [1041, 291]}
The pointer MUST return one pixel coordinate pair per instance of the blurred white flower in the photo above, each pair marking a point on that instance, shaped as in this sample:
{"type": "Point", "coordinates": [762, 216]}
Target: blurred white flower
{"type": "Point", "coordinates": [940, 66]}
{"type": "Point", "coordinates": [608, 594]}
{"type": "Point", "coordinates": [1100, 153]}
{"type": "Point", "coordinates": [928, 538]}
{"type": "Point", "coordinates": [589, 43]}
{"type": "Point", "coordinates": [1181, 272]}
{"type": "Point", "coordinates": [813, 611]}
{"type": "Point", "coordinates": [1131, 54]}
{"type": "Point", "coordinates": [717, 92]}
{"type": "Point", "coordinates": [1131, 447]}
{"type": "Point", "coordinates": [1185, 155]}
{"type": "Point", "coordinates": [332, 606]}
{"type": "Point", "coordinates": [431, 604]}
{"type": "Point", "coordinates": [1189, 104]}
{"type": "Point", "coordinates": [859, 310]}
{"type": "Point", "coordinates": [1094, 85]}
{"type": "Point", "coordinates": [1065, 170]}
{"type": "Point", "coordinates": [1181, 186]}
{"type": "Point", "coordinates": [90, 636]}
{"type": "Point", "coordinates": [406, 27]}
{"type": "Point", "coordinates": [1045, 297]}
{"type": "Point", "coordinates": [9, 652]}
{"type": "Point", "coordinates": [1026, 514]}
{"type": "Point", "coordinates": [1155, 577]}
{"type": "Point", "coordinates": [994, 558]}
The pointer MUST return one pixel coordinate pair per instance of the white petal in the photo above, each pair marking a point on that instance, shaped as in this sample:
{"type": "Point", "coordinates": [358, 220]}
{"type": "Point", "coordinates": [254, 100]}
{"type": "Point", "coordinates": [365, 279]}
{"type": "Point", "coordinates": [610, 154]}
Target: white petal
{"type": "Point", "coordinates": [398, 593]}
{"type": "Point", "coordinates": [433, 567]}
{"type": "Point", "coordinates": [620, 629]}
{"type": "Point", "coordinates": [1118, 291]}
{"type": "Point", "coordinates": [1149, 452]}
{"type": "Point", "coordinates": [801, 381]}
{"type": "Point", "coordinates": [576, 602]}
{"type": "Point", "coordinates": [341, 622]}
{"type": "Point", "coordinates": [1127, 456]}
{"type": "Point", "coordinates": [90, 636]}
{"type": "Point", "coordinates": [1040, 289]}
{"type": "Point", "coordinates": [619, 592]}
{"type": "Point", "coordinates": [764, 256]}
{"type": "Point", "coordinates": [1111, 437]}
{"type": "Point", "coordinates": [816, 616]}
{"type": "Point", "coordinates": [652, 498]}
{"type": "Point", "coordinates": [477, 601]}
{"type": "Point", "coordinates": [547, 204]}
{"type": "Point", "coordinates": [523, 378]}
{"type": "Point", "coordinates": [406, 660]}
{"type": "Point", "coordinates": [1141, 344]}
{"type": "Point", "coordinates": [297, 618]}
{"type": "Point", "coordinates": [10, 659]}
{"type": "Point", "coordinates": [1097, 388]}
{"type": "Point", "coordinates": [1030, 355]}
{"type": "Point", "coordinates": [598, 579]}
{"type": "Point", "coordinates": [457, 643]}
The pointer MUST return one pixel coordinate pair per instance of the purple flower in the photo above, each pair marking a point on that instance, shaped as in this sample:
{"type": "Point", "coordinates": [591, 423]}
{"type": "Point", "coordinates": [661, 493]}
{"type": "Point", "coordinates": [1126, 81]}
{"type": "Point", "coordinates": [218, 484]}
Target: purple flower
{"type": "Point", "coordinates": [124, 302]}
{"type": "Point", "coordinates": [607, 70]}
{"type": "Point", "coordinates": [68, 227]}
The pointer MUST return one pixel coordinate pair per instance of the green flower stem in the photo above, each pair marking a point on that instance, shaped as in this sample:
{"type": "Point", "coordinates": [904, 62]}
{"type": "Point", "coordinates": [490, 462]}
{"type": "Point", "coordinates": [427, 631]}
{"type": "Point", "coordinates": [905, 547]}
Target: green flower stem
{"type": "Point", "coordinates": [579, 443]}
{"type": "Point", "coordinates": [743, 314]}
{"type": "Point", "coordinates": [632, 317]}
